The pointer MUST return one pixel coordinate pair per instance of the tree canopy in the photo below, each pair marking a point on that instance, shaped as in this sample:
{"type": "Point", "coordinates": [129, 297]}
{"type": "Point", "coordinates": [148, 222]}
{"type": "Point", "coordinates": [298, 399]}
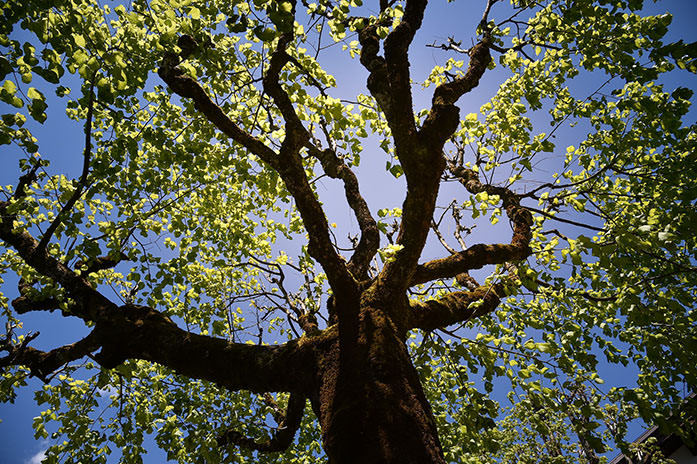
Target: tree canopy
{"type": "Point", "coordinates": [532, 234]}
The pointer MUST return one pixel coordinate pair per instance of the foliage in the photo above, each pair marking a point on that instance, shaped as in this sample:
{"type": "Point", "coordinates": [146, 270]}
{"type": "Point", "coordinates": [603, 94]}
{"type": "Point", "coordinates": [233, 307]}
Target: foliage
{"type": "Point", "coordinates": [203, 227]}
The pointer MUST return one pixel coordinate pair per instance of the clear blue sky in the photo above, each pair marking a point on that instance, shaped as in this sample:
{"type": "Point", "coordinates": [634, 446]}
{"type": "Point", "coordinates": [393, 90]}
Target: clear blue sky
{"type": "Point", "coordinates": [61, 142]}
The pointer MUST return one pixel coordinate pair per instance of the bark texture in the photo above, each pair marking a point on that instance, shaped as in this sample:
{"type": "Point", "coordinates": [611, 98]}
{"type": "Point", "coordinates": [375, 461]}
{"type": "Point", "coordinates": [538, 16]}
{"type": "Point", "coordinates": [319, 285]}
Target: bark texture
{"type": "Point", "coordinates": [372, 405]}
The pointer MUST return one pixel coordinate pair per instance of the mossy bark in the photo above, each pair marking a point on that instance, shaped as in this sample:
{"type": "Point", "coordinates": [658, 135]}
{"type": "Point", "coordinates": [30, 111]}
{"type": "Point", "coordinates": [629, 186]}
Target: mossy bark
{"type": "Point", "coordinates": [372, 406]}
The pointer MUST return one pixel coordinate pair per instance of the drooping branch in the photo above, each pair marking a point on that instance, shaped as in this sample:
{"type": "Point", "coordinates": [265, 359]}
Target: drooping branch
{"type": "Point", "coordinates": [283, 436]}
{"type": "Point", "coordinates": [454, 307]}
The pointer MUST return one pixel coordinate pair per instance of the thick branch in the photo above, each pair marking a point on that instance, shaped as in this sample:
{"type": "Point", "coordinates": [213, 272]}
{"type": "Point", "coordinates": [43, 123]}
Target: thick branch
{"type": "Point", "coordinates": [369, 242]}
{"type": "Point", "coordinates": [24, 304]}
{"type": "Point", "coordinates": [455, 307]}
{"type": "Point", "coordinates": [419, 153]}
{"type": "Point", "coordinates": [139, 332]}
{"type": "Point", "coordinates": [292, 172]}
{"type": "Point", "coordinates": [443, 118]}
{"type": "Point", "coordinates": [287, 163]}
{"type": "Point", "coordinates": [378, 81]}
{"type": "Point", "coordinates": [396, 46]}
{"type": "Point", "coordinates": [41, 364]}
{"type": "Point", "coordinates": [101, 263]}
{"type": "Point", "coordinates": [134, 332]}
{"type": "Point", "coordinates": [283, 436]}
{"type": "Point", "coordinates": [389, 81]}
{"type": "Point", "coordinates": [474, 257]}
{"type": "Point", "coordinates": [480, 255]}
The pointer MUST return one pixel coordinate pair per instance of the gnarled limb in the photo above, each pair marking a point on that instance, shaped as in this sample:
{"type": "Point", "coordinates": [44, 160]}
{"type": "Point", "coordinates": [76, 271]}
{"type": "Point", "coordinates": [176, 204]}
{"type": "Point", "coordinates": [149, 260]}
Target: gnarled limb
{"type": "Point", "coordinates": [389, 80]}
{"type": "Point", "coordinates": [43, 363]}
{"type": "Point", "coordinates": [24, 305]}
{"type": "Point", "coordinates": [396, 47]}
{"type": "Point", "coordinates": [480, 255]}
{"type": "Point", "coordinates": [287, 163]}
{"type": "Point", "coordinates": [443, 118]}
{"type": "Point", "coordinates": [138, 332]}
{"type": "Point", "coordinates": [454, 307]}
{"type": "Point", "coordinates": [474, 257]}
{"type": "Point", "coordinates": [517, 214]}
{"type": "Point", "coordinates": [283, 436]}
{"type": "Point", "coordinates": [419, 152]}
{"type": "Point", "coordinates": [369, 242]}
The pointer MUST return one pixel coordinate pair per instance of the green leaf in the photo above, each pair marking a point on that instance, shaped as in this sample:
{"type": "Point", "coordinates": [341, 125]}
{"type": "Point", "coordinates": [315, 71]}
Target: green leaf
{"type": "Point", "coordinates": [79, 40]}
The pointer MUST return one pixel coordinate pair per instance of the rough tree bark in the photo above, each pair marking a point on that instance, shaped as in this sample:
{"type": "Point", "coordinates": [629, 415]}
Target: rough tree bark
{"type": "Point", "coordinates": [357, 373]}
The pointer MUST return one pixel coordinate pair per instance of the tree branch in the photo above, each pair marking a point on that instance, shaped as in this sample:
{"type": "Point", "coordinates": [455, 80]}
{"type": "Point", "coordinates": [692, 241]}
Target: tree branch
{"type": "Point", "coordinates": [474, 257]}
{"type": "Point", "coordinates": [83, 177]}
{"type": "Point", "coordinates": [567, 221]}
{"type": "Point", "coordinates": [396, 47]}
{"type": "Point", "coordinates": [41, 364]}
{"type": "Point", "coordinates": [369, 242]}
{"type": "Point", "coordinates": [443, 118]}
{"type": "Point", "coordinates": [287, 163]}
{"type": "Point", "coordinates": [24, 304]}
{"type": "Point", "coordinates": [283, 436]}
{"type": "Point", "coordinates": [480, 255]}
{"type": "Point", "coordinates": [138, 332]}
{"type": "Point", "coordinates": [186, 87]}
{"type": "Point", "coordinates": [420, 153]}
{"type": "Point", "coordinates": [454, 307]}
{"type": "Point", "coordinates": [25, 180]}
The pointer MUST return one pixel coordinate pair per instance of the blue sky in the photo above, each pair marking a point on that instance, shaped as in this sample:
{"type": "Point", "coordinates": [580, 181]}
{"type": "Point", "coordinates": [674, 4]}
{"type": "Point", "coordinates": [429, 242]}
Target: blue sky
{"type": "Point", "coordinates": [61, 141]}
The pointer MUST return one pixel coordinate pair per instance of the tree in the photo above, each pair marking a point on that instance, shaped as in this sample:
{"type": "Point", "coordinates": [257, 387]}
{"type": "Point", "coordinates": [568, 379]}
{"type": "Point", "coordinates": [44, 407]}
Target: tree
{"type": "Point", "coordinates": [218, 302]}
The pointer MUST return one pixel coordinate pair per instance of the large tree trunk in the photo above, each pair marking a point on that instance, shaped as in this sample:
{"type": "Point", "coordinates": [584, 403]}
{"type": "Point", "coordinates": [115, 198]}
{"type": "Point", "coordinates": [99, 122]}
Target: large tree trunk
{"type": "Point", "coordinates": [372, 408]}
